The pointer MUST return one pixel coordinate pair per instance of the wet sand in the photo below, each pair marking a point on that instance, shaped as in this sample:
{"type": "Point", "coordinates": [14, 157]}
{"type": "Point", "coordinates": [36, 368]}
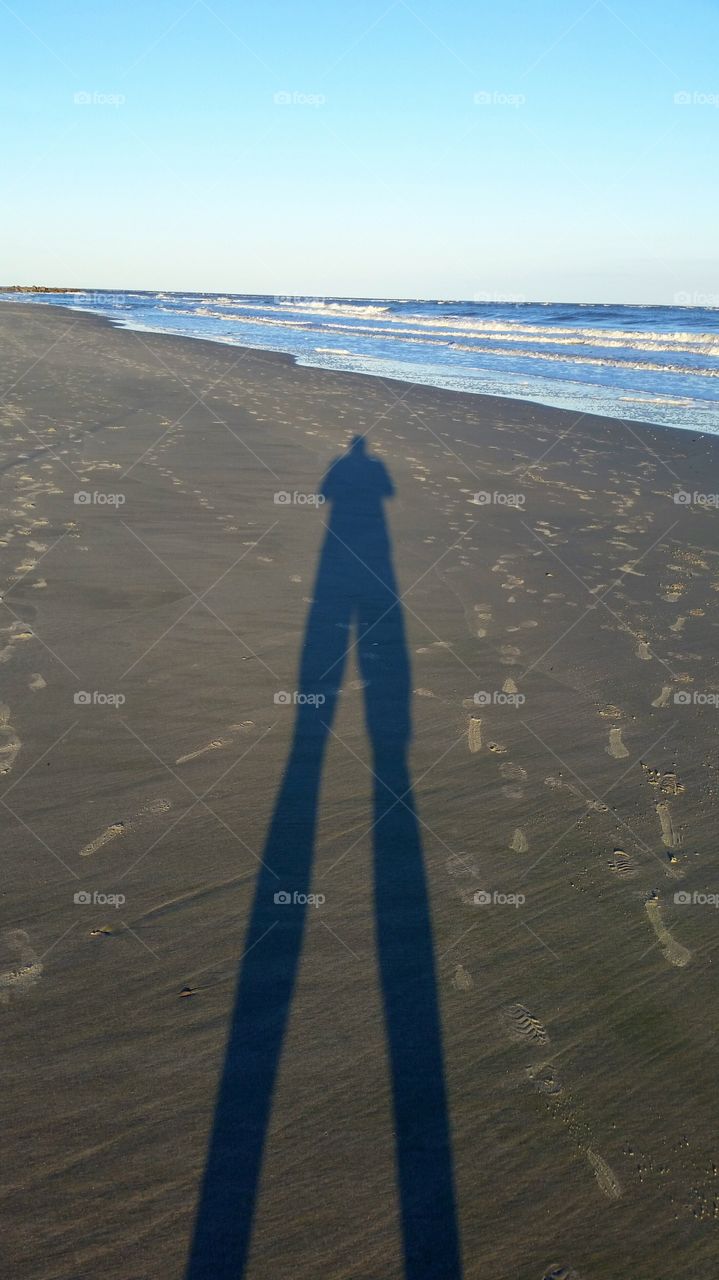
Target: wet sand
{"type": "Point", "coordinates": [561, 638]}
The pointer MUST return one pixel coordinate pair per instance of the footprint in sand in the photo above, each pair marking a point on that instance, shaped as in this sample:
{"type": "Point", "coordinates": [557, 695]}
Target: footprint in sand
{"type": "Point", "coordinates": [110, 833]}
{"type": "Point", "coordinates": [622, 865]}
{"type": "Point", "coordinates": [670, 836]}
{"type": "Point", "coordinates": [520, 843]}
{"type": "Point", "coordinates": [611, 712]}
{"type": "Point", "coordinates": [18, 978]}
{"type": "Point", "coordinates": [521, 1026]}
{"type": "Point", "coordinates": [462, 980]}
{"type": "Point", "coordinates": [457, 865]}
{"type": "Point", "coordinates": [509, 655]}
{"type": "Point", "coordinates": [616, 748]}
{"type": "Point", "coordinates": [545, 1080]}
{"type": "Point", "coordinates": [558, 784]}
{"type": "Point", "coordinates": [37, 682]}
{"type": "Point", "coordinates": [17, 632]}
{"type": "Point", "coordinates": [606, 1179]}
{"type": "Point", "coordinates": [474, 734]}
{"type": "Point", "coordinates": [673, 951]}
{"type": "Point", "coordinates": [10, 744]}
{"type": "Point", "coordinates": [153, 809]}
{"type": "Point", "coordinates": [483, 617]}
{"type": "Point", "coordinates": [217, 743]}
{"type": "Point", "coordinates": [667, 783]}
{"type": "Point", "coordinates": [514, 776]}
{"type": "Point", "coordinates": [643, 651]}
{"type": "Point", "coordinates": [662, 699]}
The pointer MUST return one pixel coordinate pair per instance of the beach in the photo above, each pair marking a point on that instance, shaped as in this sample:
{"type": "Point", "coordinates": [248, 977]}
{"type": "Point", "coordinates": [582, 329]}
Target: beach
{"type": "Point", "coordinates": [557, 582]}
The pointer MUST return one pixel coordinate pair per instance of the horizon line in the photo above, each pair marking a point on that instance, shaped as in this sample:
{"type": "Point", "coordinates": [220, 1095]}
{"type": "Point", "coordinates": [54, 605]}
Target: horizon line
{"type": "Point", "coordinates": [351, 297]}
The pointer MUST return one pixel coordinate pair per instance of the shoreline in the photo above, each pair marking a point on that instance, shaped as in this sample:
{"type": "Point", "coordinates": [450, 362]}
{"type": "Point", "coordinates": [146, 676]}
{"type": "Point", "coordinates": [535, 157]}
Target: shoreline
{"type": "Point", "coordinates": [306, 361]}
{"type": "Point", "coordinates": [162, 584]}
{"type": "Point", "coordinates": [399, 383]}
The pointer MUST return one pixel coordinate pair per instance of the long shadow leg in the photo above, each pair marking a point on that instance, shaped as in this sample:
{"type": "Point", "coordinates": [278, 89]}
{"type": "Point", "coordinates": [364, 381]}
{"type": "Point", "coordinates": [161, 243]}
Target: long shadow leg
{"type": "Point", "coordinates": [406, 955]}
{"type": "Point", "coordinates": [409, 988]}
{"type": "Point", "coordinates": [272, 950]}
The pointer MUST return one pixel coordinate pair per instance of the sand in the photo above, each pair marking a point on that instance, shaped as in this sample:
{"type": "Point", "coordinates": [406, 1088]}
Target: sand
{"type": "Point", "coordinates": [536, 927]}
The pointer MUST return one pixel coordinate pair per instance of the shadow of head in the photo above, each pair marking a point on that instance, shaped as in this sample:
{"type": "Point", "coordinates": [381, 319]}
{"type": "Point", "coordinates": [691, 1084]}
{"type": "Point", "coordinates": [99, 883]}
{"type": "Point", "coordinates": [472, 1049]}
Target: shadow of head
{"type": "Point", "coordinates": [356, 484]}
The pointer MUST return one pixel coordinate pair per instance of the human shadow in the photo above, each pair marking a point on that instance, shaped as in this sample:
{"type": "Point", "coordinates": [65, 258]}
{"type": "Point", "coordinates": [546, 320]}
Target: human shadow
{"type": "Point", "coordinates": [355, 589]}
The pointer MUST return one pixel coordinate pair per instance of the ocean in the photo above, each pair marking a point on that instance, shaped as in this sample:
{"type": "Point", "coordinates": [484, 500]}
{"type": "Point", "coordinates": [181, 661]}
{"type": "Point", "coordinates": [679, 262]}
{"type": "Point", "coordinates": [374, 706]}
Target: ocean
{"type": "Point", "coordinates": [641, 363]}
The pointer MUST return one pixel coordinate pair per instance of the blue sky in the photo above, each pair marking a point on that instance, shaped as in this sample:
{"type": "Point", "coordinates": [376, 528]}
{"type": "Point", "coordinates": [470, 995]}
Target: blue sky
{"type": "Point", "coordinates": [529, 149]}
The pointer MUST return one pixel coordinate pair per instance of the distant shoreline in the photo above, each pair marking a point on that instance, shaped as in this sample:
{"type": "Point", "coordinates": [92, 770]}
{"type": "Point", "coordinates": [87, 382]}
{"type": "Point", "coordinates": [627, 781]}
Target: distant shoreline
{"type": "Point", "coordinates": [637, 364]}
{"type": "Point", "coordinates": [359, 297]}
{"type": "Point", "coordinates": [516, 406]}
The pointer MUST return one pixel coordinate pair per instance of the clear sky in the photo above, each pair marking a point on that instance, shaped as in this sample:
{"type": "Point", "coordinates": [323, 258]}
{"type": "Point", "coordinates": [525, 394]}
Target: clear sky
{"type": "Point", "coordinates": [527, 149]}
